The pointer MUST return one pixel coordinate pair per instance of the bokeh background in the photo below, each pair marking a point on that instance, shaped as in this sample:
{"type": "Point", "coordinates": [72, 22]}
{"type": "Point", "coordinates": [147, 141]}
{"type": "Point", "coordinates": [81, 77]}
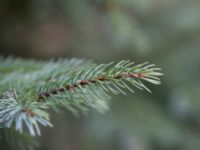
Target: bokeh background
{"type": "Point", "coordinates": [164, 32]}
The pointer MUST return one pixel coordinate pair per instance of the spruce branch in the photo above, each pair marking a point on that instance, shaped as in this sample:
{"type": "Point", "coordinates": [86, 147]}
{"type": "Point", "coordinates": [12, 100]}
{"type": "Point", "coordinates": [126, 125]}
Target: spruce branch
{"type": "Point", "coordinates": [73, 84]}
{"type": "Point", "coordinates": [14, 113]}
{"type": "Point", "coordinates": [107, 75]}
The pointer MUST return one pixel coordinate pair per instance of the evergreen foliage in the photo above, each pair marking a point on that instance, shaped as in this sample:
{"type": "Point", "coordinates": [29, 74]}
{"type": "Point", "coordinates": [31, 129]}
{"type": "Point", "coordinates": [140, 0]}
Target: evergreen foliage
{"type": "Point", "coordinates": [29, 89]}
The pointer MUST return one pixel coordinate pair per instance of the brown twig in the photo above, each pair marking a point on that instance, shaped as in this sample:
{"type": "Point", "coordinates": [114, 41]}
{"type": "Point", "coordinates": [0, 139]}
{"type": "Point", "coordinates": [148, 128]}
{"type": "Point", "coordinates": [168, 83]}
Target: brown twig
{"type": "Point", "coordinates": [70, 87]}
{"type": "Point", "coordinates": [29, 112]}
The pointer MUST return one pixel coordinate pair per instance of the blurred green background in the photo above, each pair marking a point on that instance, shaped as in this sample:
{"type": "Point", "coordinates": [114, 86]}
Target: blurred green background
{"type": "Point", "coordinates": [164, 32]}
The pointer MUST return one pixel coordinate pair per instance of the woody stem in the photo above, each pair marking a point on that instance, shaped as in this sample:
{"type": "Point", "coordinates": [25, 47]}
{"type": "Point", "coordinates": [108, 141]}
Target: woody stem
{"type": "Point", "coordinates": [82, 83]}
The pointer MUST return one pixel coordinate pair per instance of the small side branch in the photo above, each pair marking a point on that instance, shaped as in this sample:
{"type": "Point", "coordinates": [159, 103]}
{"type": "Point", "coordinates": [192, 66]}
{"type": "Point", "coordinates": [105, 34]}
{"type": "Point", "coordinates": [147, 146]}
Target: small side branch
{"type": "Point", "coordinates": [71, 87]}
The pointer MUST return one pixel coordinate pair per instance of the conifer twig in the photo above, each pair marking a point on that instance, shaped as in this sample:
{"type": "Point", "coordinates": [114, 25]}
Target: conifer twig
{"type": "Point", "coordinates": [83, 83]}
{"type": "Point", "coordinates": [76, 85]}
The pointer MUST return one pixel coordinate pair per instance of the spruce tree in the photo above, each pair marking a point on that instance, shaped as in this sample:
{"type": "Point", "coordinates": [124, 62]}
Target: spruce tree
{"type": "Point", "coordinates": [30, 88]}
